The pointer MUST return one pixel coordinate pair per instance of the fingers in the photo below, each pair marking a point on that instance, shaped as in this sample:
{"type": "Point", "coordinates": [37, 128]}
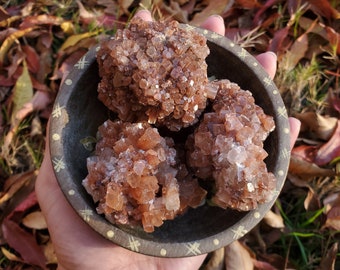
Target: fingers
{"type": "Point", "coordinates": [214, 23]}
{"type": "Point", "coordinates": [295, 125]}
{"type": "Point", "coordinates": [268, 61]}
{"type": "Point", "coordinates": [144, 14]}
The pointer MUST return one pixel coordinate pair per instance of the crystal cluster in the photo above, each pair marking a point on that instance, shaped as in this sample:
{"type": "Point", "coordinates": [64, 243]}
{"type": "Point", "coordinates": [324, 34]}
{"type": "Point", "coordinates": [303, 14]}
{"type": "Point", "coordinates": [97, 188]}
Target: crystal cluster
{"type": "Point", "coordinates": [155, 71]}
{"type": "Point", "coordinates": [133, 176]}
{"type": "Point", "coordinates": [150, 162]}
{"type": "Point", "coordinates": [227, 147]}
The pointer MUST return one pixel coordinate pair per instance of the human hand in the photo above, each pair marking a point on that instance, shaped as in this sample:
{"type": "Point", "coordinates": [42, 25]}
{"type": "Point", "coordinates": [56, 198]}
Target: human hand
{"type": "Point", "coordinates": [76, 245]}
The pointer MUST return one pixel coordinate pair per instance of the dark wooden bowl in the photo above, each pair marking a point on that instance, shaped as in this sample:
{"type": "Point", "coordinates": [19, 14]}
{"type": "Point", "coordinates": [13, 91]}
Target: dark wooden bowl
{"type": "Point", "coordinates": [77, 114]}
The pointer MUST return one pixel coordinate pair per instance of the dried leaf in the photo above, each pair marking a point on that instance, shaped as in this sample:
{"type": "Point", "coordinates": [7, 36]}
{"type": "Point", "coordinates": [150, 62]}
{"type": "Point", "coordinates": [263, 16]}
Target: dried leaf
{"type": "Point", "coordinates": [14, 183]}
{"type": "Point", "coordinates": [30, 21]}
{"type": "Point", "coordinates": [322, 126]}
{"type": "Point", "coordinates": [216, 261]}
{"type": "Point", "coordinates": [328, 261]}
{"type": "Point", "coordinates": [324, 8]}
{"type": "Point", "coordinates": [307, 169]}
{"type": "Point", "coordinates": [35, 220]}
{"type": "Point", "coordinates": [24, 243]}
{"type": "Point", "coordinates": [312, 201]}
{"type": "Point", "coordinates": [32, 58]}
{"type": "Point", "coordinates": [296, 53]}
{"type": "Point", "coordinates": [329, 150]}
{"type": "Point", "coordinates": [23, 92]}
{"type": "Point", "coordinates": [74, 39]}
{"type": "Point", "coordinates": [10, 256]}
{"type": "Point", "coordinates": [333, 218]}
{"type": "Point", "coordinates": [274, 220]}
{"type": "Point", "coordinates": [237, 257]}
{"type": "Point", "coordinates": [49, 252]}
{"type": "Point", "coordinates": [248, 4]}
{"type": "Point", "coordinates": [214, 7]}
{"type": "Point", "coordinates": [9, 41]}
{"type": "Point", "coordinates": [276, 43]}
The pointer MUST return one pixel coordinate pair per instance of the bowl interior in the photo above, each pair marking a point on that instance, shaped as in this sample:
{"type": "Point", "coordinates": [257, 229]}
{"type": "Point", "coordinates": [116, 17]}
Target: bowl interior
{"type": "Point", "coordinates": [78, 113]}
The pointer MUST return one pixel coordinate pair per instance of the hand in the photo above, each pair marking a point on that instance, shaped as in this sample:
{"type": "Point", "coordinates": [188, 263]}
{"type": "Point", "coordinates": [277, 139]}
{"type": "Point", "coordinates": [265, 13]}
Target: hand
{"type": "Point", "coordinates": [76, 245]}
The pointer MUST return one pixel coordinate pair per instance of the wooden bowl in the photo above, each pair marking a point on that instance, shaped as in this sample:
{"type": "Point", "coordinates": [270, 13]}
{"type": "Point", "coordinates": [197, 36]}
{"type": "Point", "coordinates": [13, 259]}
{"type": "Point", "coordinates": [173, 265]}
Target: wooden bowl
{"type": "Point", "coordinates": [77, 114]}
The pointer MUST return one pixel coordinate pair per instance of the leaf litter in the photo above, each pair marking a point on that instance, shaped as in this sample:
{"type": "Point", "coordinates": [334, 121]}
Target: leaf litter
{"type": "Point", "coordinates": [41, 41]}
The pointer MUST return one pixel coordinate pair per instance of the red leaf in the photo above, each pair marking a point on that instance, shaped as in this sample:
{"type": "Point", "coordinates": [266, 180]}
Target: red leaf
{"type": "Point", "coordinates": [32, 58]}
{"type": "Point", "coordinates": [329, 150]}
{"type": "Point", "coordinates": [304, 152]}
{"type": "Point", "coordinates": [248, 4]}
{"type": "Point", "coordinates": [31, 200]}
{"type": "Point", "coordinates": [268, 4]}
{"type": "Point", "coordinates": [24, 243]}
{"type": "Point", "coordinates": [278, 39]}
{"type": "Point", "coordinates": [324, 8]}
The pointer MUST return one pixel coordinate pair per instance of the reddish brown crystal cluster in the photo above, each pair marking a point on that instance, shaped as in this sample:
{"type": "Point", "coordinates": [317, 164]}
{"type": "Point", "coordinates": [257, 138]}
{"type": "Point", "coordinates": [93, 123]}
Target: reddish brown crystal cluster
{"type": "Point", "coordinates": [227, 147]}
{"type": "Point", "coordinates": [154, 76]}
{"type": "Point", "coordinates": [154, 71]}
{"type": "Point", "coordinates": [133, 176]}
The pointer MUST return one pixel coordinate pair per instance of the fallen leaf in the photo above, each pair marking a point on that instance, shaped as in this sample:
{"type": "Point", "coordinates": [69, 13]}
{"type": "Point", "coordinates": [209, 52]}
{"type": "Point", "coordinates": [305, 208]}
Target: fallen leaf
{"type": "Point", "coordinates": [30, 21]}
{"type": "Point", "coordinates": [321, 126]}
{"type": "Point", "coordinates": [22, 93]}
{"type": "Point", "coordinates": [35, 220]}
{"type": "Point", "coordinates": [24, 243]}
{"type": "Point", "coordinates": [5, 46]}
{"type": "Point", "coordinates": [307, 169]}
{"type": "Point", "coordinates": [10, 256]}
{"type": "Point", "coordinates": [296, 52]}
{"type": "Point", "coordinates": [274, 220]}
{"type": "Point", "coordinates": [14, 183]}
{"type": "Point", "coordinates": [312, 201]}
{"type": "Point", "coordinates": [261, 265]}
{"type": "Point", "coordinates": [276, 44]}
{"type": "Point", "coordinates": [74, 39]}
{"type": "Point", "coordinates": [237, 257]}
{"type": "Point", "coordinates": [324, 8]}
{"type": "Point", "coordinates": [248, 4]}
{"type": "Point", "coordinates": [49, 253]}
{"type": "Point", "coordinates": [214, 7]}
{"type": "Point", "coordinates": [216, 261]}
{"type": "Point", "coordinates": [32, 58]}
{"type": "Point", "coordinates": [333, 218]}
{"type": "Point", "coordinates": [328, 261]}
{"type": "Point", "coordinates": [330, 150]}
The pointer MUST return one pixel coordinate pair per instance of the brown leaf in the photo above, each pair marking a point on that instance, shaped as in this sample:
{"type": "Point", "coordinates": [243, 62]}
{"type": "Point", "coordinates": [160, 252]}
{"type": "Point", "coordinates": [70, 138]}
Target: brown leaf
{"type": "Point", "coordinates": [35, 220]}
{"type": "Point", "coordinates": [329, 150]}
{"type": "Point", "coordinates": [304, 168]}
{"type": "Point", "coordinates": [10, 256]}
{"type": "Point", "coordinates": [14, 183]}
{"type": "Point", "coordinates": [49, 252]}
{"type": "Point", "coordinates": [312, 201]}
{"type": "Point", "coordinates": [321, 126]}
{"type": "Point", "coordinates": [214, 7]}
{"type": "Point", "coordinates": [274, 220]}
{"type": "Point", "coordinates": [31, 21]}
{"type": "Point", "coordinates": [328, 261]}
{"type": "Point", "coordinates": [216, 261]}
{"type": "Point", "coordinates": [296, 53]}
{"type": "Point", "coordinates": [324, 8]}
{"type": "Point", "coordinates": [248, 4]}
{"type": "Point", "coordinates": [237, 257]}
{"type": "Point", "coordinates": [32, 58]}
{"type": "Point", "coordinates": [333, 218]}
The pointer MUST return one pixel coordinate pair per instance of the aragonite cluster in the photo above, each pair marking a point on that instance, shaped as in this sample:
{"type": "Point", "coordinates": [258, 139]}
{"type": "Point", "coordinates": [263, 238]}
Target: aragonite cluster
{"type": "Point", "coordinates": [175, 131]}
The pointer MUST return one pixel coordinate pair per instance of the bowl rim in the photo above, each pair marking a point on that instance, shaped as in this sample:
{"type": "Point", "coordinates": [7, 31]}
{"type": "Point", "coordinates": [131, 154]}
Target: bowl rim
{"type": "Point", "coordinates": [59, 120]}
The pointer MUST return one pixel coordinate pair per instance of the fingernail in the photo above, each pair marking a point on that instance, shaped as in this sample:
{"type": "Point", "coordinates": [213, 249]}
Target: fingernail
{"type": "Point", "coordinates": [144, 14]}
{"type": "Point", "coordinates": [217, 17]}
{"type": "Point", "coordinates": [273, 55]}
